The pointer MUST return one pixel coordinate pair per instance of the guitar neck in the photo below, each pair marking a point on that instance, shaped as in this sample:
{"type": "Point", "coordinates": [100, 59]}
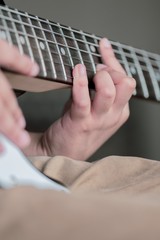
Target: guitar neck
{"type": "Point", "coordinates": [58, 48]}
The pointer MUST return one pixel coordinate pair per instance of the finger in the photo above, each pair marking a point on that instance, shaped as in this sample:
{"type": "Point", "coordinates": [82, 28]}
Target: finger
{"type": "Point", "coordinates": [124, 88]}
{"type": "Point", "coordinates": [108, 56]}
{"type": "Point", "coordinates": [10, 128]}
{"type": "Point", "coordinates": [105, 92]}
{"type": "Point", "coordinates": [11, 58]}
{"type": "Point", "coordinates": [80, 93]}
{"type": "Point", "coordinates": [8, 97]}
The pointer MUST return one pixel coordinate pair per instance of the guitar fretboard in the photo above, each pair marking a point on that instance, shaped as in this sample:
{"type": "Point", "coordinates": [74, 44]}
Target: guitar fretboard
{"type": "Point", "coordinates": [58, 48]}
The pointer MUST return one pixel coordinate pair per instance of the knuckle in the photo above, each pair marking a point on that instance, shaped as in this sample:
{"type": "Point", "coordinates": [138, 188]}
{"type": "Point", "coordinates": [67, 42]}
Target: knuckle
{"type": "Point", "coordinates": [125, 114]}
{"type": "Point", "coordinates": [82, 104]}
{"type": "Point", "coordinates": [107, 93]}
{"type": "Point", "coordinates": [131, 82]}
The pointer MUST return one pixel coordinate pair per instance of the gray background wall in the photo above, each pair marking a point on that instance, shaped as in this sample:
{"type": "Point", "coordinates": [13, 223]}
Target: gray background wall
{"type": "Point", "coordinates": [132, 22]}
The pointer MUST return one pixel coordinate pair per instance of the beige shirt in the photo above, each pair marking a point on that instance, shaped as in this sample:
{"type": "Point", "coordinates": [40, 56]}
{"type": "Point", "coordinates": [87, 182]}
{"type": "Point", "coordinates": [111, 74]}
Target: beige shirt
{"type": "Point", "coordinates": [116, 198]}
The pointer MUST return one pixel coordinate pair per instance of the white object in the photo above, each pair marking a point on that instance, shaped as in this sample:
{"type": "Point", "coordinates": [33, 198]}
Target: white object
{"type": "Point", "coordinates": [17, 170]}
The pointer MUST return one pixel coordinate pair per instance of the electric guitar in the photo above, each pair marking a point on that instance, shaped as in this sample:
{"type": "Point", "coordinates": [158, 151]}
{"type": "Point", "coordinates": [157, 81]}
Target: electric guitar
{"type": "Point", "coordinates": [58, 48]}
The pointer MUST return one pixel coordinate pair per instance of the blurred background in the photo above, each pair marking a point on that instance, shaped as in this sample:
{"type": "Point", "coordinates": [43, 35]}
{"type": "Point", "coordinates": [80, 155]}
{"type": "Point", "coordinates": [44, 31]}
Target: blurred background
{"type": "Point", "coordinates": [135, 23]}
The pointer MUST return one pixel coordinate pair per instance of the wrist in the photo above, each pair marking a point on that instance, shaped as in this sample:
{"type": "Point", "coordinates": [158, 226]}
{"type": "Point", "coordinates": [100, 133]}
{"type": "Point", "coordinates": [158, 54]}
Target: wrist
{"type": "Point", "coordinates": [35, 147]}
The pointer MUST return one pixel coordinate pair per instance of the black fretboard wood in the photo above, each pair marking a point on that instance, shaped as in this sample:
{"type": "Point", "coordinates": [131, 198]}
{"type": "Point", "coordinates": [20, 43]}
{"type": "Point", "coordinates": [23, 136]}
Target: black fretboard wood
{"type": "Point", "coordinates": [58, 48]}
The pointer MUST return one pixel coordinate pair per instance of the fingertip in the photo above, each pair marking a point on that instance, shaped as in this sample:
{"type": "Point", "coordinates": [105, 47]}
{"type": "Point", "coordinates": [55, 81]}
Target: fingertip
{"type": "Point", "coordinates": [105, 43]}
{"type": "Point", "coordinates": [23, 139]}
{"type": "Point", "coordinates": [100, 67]}
{"type": "Point", "coordinates": [79, 71]}
{"type": "Point", "coordinates": [80, 76]}
{"type": "Point", "coordinates": [34, 69]}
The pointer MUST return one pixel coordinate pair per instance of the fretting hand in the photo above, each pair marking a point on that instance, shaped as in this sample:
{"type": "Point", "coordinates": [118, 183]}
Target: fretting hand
{"type": "Point", "coordinates": [87, 124]}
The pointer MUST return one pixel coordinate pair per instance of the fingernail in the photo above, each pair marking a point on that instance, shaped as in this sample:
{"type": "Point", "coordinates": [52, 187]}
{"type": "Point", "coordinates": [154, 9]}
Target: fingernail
{"type": "Point", "coordinates": [35, 69]}
{"type": "Point", "coordinates": [24, 139]}
{"type": "Point", "coordinates": [106, 43]}
{"type": "Point", "coordinates": [79, 71]}
{"type": "Point", "coordinates": [100, 67]}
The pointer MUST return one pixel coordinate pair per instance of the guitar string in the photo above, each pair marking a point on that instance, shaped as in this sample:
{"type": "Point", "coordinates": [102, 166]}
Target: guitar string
{"type": "Point", "coordinates": [153, 63]}
{"type": "Point", "coordinates": [42, 29]}
{"type": "Point", "coordinates": [81, 50]}
{"type": "Point", "coordinates": [88, 69]}
{"type": "Point", "coordinates": [66, 46]}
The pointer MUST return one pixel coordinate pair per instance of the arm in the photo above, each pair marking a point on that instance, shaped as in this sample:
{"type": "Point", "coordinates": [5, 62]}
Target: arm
{"type": "Point", "coordinates": [87, 123]}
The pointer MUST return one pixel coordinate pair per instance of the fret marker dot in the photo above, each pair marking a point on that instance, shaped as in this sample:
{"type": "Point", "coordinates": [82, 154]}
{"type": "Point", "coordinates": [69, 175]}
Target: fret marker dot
{"type": "Point", "coordinates": [3, 35]}
{"type": "Point", "coordinates": [42, 46]}
{"type": "Point", "coordinates": [133, 70]}
{"type": "Point", "coordinates": [63, 51]}
{"type": "Point", "coordinates": [93, 49]}
{"type": "Point", "coordinates": [22, 40]}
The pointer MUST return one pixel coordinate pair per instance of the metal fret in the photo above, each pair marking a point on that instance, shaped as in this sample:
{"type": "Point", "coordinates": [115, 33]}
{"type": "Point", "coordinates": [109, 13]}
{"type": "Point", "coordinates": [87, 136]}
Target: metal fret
{"type": "Point", "coordinates": [26, 38]}
{"type": "Point", "coordinates": [63, 68]}
{"type": "Point", "coordinates": [152, 76]}
{"type": "Point", "coordinates": [54, 75]}
{"type": "Point", "coordinates": [94, 48]}
{"type": "Point", "coordinates": [38, 48]}
{"type": "Point", "coordinates": [89, 52]}
{"type": "Point", "coordinates": [124, 60]}
{"type": "Point", "coordinates": [9, 39]}
{"type": "Point", "coordinates": [17, 36]}
{"type": "Point", "coordinates": [64, 38]}
{"type": "Point", "coordinates": [58, 35]}
{"type": "Point", "coordinates": [126, 65]}
{"type": "Point", "coordinates": [141, 76]}
{"type": "Point", "coordinates": [78, 50]}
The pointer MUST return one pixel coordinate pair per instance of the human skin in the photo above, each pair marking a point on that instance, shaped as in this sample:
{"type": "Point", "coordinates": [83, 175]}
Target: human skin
{"type": "Point", "coordinates": [86, 124]}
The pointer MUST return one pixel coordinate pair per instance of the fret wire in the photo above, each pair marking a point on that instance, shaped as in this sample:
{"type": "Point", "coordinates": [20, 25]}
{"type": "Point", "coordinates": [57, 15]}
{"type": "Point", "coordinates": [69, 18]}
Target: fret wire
{"type": "Point", "coordinates": [64, 38]}
{"type": "Point", "coordinates": [142, 79]}
{"type": "Point", "coordinates": [39, 50]}
{"type": "Point", "coordinates": [17, 37]}
{"type": "Point", "coordinates": [126, 65]}
{"type": "Point", "coordinates": [44, 20]}
{"type": "Point", "coordinates": [58, 45]}
{"type": "Point", "coordinates": [50, 31]}
{"type": "Point", "coordinates": [113, 43]}
{"type": "Point", "coordinates": [64, 71]}
{"type": "Point", "coordinates": [75, 49]}
{"type": "Point", "coordinates": [124, 60]}
{"type": "Point", "coordinates": [49, 41]}
{"type": "Point", "coordinates": [99, 56]}
{"type": "Point", "coordinates": [78, 49]}
{"type": "Point", "coordinates": [89, 69]}
{"type": "Point", "coordinates": [27, 41]}
{"type": "Point", "coordinates": [156, 62]}
{"type": "Point", "coordinates": [153, 77]}
{"type": "Point", "coordinates": [90, 55]}
{"type": "Point", "coordinates": [7, 30]}
{"type": "Point", "coordinates": [156, 56]}
{"type": "Point", "coordinates": [49, 52]}
{"type": "Point", "coordinates": [74, 30]}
